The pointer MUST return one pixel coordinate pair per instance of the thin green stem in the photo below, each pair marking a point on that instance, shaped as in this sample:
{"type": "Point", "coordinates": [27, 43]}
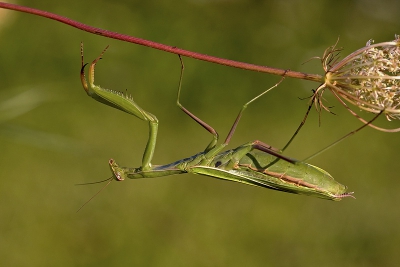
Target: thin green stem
{"type": "Point", "coordinates": [166, 48]}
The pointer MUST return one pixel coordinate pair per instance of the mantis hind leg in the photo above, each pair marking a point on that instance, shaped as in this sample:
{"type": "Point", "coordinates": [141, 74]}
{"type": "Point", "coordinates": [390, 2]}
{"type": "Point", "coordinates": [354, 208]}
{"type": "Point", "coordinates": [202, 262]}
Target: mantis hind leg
{"type": "Point", "coordinates": [316, 100]}
{"type": "Point", "coordinates": [123, 102]}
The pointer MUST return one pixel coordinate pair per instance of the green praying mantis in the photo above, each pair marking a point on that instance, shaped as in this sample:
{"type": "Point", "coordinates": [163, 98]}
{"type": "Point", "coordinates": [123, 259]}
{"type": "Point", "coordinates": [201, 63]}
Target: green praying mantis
{"type": "Point", "coordinates": [254, 163]}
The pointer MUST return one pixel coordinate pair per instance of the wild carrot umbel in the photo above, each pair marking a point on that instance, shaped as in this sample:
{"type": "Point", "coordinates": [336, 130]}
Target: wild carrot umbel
{"type": "Point", "coordinates": [368, 78]}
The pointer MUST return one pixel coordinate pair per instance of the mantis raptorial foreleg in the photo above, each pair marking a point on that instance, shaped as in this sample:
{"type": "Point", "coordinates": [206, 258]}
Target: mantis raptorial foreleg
{"type": "Point", "coordinates": [122, 102]}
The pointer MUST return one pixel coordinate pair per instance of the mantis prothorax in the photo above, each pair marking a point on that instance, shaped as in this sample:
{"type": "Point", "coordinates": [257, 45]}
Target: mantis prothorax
{"type": "Point", "coordinates": [254, 163]}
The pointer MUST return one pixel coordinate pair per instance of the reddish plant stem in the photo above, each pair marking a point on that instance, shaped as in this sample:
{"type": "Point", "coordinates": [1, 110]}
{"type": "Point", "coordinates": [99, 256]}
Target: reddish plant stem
{"type": "Point", "coordinates": [166, 48]}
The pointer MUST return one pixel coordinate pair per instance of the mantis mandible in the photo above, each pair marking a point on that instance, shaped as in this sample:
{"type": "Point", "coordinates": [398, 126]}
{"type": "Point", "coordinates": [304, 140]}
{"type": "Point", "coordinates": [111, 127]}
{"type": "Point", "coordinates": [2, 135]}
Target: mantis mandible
{"type": "Point", "coordinates": [254, 163]}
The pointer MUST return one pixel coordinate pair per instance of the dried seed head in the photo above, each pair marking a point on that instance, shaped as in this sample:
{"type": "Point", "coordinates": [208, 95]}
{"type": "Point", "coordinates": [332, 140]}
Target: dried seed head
{"type": "Point", "coordinates": [368, 77]}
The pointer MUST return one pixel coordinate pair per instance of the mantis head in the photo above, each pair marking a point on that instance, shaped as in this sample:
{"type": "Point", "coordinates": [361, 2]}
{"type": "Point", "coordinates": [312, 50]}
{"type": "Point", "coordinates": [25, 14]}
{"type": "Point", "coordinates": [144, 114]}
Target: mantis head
{"type": "Point", "coordinates": [119, 174]}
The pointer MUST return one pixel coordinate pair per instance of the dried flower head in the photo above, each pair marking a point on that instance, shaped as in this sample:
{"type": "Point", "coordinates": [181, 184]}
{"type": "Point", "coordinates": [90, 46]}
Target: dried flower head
{"type": "Point", "coordinates": [368, 78]}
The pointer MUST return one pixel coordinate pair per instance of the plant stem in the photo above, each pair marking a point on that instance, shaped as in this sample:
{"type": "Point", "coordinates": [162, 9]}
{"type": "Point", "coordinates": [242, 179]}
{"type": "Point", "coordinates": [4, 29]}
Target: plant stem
{"type": "Point", "coordinates": [166, 48]}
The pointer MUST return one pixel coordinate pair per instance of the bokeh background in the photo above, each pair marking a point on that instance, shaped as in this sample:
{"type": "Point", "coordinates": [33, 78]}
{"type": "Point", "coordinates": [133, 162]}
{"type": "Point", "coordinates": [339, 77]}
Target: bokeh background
{"type": "Point", "coordinates": [52, 136]}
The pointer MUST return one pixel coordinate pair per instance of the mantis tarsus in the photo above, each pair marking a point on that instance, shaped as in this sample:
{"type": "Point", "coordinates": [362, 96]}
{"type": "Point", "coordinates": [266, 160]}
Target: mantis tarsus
{"type": "Point", "coordinates": [254, 163]}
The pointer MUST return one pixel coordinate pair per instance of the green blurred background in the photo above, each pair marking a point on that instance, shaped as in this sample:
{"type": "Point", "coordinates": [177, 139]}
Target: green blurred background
{"type": "Point", "coordinates": [53, 136]}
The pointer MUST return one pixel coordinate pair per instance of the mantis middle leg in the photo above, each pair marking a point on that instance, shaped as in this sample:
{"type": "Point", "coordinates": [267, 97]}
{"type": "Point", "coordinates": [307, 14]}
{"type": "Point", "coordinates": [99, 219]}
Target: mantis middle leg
{"type": "Point", "coordinates": [212, 149]}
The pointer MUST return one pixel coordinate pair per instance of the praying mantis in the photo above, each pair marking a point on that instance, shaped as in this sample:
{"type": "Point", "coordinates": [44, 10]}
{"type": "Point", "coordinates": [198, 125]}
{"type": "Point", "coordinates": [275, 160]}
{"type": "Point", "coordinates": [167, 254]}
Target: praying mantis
{"type": "Point", "coordinates": [254, 163]}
